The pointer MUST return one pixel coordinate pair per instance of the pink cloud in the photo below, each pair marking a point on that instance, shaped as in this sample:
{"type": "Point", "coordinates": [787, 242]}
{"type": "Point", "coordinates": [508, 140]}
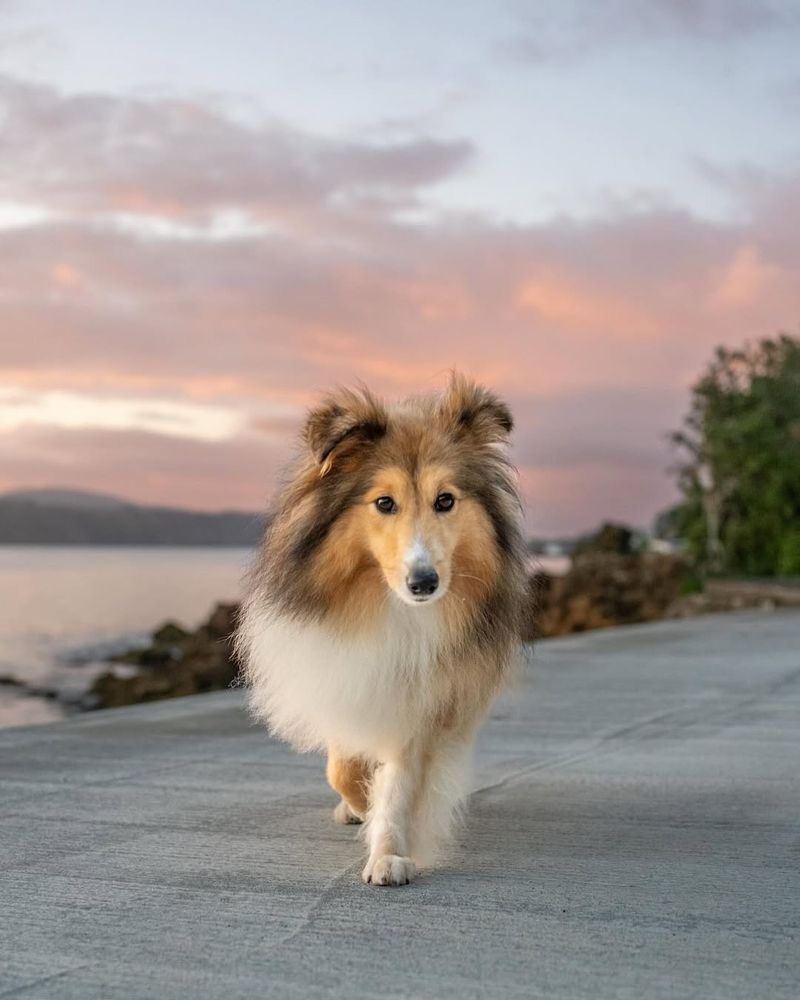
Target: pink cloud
{"type": "Point", "coordinates": [147, 468]}
{"type": "Point", "coordinates": [745, 280]}
{"type": "Point", "coordinates": [592, 329]}
{"type": "Point", "coordinates": [556, 299]}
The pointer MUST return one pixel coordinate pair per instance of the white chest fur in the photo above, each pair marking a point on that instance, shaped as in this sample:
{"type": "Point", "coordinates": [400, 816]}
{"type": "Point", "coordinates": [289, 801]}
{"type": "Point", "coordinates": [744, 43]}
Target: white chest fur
{"type": "Point", "coordinates": [363, 694]}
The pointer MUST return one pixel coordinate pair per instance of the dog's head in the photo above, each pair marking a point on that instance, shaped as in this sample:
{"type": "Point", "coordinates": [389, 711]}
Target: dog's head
{"type": "Point", "coordinates": [419, 495]}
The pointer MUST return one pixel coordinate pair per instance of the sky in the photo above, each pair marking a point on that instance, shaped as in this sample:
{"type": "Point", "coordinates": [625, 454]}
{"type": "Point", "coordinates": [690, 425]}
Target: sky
{"type": "Point", "coordinates": [210, 213]}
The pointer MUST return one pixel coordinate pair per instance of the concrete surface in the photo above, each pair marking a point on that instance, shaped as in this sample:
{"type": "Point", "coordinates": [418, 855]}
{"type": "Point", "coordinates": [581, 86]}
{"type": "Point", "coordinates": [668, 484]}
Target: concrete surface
{"type": "Point", "coordinates": [634, 835]}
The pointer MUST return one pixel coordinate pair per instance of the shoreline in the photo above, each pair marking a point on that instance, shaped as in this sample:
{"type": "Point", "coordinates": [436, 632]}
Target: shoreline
{"type": "Point", "coordinates": [599, 590]}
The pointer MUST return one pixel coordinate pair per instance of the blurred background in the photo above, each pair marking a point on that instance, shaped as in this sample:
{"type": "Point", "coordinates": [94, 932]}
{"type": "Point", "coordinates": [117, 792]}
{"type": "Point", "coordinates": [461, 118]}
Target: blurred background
{"type": "Point", "coordinates": [211, 212]}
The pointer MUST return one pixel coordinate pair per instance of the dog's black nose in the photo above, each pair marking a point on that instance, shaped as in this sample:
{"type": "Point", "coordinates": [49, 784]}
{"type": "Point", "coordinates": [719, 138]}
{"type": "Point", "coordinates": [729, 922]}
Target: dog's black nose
{"type": "Point", "coordinates": [422, 582]}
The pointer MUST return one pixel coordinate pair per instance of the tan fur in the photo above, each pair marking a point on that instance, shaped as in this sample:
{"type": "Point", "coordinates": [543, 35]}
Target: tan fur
{"type": "Point", "coordinates": [350, 777]}
{"type": "Point", "coordinates": [342, 655]}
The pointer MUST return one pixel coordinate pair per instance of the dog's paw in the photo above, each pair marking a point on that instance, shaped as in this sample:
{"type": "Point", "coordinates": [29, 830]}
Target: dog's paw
{"type": "Point", "coordinates": [389, 869]}
{"type": "Point", "coordinates": [344, 814]}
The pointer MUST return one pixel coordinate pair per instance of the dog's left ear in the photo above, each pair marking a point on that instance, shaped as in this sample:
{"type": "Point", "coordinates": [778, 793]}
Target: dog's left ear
{"type": "Point", "coordinates": [470, 409]}
{"type": "Point", "coordinates": [344, 420]}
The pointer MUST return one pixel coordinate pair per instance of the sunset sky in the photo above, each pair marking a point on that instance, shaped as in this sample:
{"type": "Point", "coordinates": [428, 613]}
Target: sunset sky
{"type": "Point", "coordinates": [211, 211]}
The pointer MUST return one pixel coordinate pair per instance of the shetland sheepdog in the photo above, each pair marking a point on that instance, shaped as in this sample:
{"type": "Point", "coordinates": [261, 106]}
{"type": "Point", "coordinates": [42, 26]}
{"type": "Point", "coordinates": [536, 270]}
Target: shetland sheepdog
{"type": "Point", "coordinates": [384, 608]}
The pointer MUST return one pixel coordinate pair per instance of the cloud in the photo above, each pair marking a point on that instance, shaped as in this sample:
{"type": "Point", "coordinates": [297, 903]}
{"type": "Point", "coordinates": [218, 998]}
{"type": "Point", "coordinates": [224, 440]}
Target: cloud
{"type": "Point", "coordinates": [144, 467]}
{"type": "Point", "coordinates": [182, 159]}
{"type": "Point", "coordinates": [715, 20]}
{"type": "Point", "coordinates": [77, 411]}
{"type": "Point", "coordinates": [556, 299]}
{"type": "Point", "coordinates": [744, 280]}
{"type": "Point", "coordinates": [593, 329]}
{"type": "Point", "coordinates": [579, 28]}
{"type": "Point", "coordinates": [31, 42]}
{"type": "Point", "coordinates": [787, 95]}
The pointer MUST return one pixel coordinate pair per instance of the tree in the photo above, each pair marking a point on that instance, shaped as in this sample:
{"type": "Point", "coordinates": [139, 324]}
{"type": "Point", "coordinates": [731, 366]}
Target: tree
{"type": "Point", "coordinates": [739, 471]}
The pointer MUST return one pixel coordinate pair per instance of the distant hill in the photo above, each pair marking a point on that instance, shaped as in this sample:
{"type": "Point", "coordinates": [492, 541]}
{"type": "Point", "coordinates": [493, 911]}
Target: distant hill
{"type": "Point", "coordinates": [67, 498]}
{"type": "Point", "coordinates": [75, 517]}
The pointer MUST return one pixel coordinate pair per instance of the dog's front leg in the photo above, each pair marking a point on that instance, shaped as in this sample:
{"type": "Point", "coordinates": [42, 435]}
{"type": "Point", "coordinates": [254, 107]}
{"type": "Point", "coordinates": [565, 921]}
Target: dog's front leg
{"type": "Point", "coordinates": [394, 791]}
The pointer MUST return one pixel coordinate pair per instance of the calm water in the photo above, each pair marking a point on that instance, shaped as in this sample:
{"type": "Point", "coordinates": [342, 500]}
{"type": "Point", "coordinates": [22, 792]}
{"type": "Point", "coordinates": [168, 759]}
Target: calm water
{"type": "Point", "coordinates": [60, 604]}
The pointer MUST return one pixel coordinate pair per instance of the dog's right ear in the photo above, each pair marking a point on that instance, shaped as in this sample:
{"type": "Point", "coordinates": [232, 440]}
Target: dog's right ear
{"type": "Point", "coordinates": [471, 410]}
{"type": "Point", "coordinates": [345, 418]}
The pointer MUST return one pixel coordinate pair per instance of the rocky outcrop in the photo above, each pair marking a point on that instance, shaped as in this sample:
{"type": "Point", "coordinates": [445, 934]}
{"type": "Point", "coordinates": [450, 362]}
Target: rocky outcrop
{"type": "Point", "coordinates": [175, 663]}
{"type": "Point", "coordinates": [603, 589]}
{"type": "Point", "coordinates": [609, 538]}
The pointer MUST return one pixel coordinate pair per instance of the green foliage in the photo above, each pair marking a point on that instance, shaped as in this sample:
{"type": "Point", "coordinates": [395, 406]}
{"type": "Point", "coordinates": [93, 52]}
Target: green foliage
{"type": "Point", "coordinates": [740, 467]}
{"type": "Point", "coordinates": [789, 554]}
{"type": "Point", "coordinates": [692, 583]}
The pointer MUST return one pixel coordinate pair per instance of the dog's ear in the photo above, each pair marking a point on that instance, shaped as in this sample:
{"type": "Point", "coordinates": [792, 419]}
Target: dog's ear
{"type": "Point", "coordinates": [469, 409]}
{"type": "Point", "coordinates": [344, 418]}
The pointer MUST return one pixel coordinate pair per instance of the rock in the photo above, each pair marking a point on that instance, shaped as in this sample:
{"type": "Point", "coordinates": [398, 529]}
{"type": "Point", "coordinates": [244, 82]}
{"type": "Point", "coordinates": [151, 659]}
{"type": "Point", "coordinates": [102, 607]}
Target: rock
{"type": "Point", "coordinates": [157, 656]}
{"type": "Point", "coordinates": [222, 622]}
{"type": "Point", "coordinates": [7, 680]}
{"type": "Point", "coordinates": [169, 634]}
{"type": "Point", "coordinates": [175, 664]}
{"type": "Point", "coordinates": [604, 589]}
{"type": "Point", "coordinates": [610, 537]}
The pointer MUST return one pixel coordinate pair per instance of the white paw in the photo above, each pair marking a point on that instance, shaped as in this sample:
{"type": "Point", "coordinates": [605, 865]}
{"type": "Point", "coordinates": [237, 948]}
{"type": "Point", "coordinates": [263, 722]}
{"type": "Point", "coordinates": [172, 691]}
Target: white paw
{"type": "Point", "coordinates": [344, 814]}
{"type": "Point", "coordinates": [389, 869]}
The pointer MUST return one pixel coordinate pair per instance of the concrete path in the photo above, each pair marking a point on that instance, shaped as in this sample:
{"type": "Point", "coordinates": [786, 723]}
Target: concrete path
{"type": "Point", "coordinates": [634, 835]}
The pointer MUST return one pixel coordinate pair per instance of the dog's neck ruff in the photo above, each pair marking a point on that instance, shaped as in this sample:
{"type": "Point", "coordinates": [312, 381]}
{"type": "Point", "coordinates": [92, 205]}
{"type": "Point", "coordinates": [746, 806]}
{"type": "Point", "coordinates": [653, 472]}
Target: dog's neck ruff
{"type": "Point", "coordinates": [317, 685]}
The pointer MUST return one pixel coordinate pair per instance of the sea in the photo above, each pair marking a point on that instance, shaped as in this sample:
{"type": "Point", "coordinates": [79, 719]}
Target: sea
{"type": "Point", "coordinates": [65, 610]}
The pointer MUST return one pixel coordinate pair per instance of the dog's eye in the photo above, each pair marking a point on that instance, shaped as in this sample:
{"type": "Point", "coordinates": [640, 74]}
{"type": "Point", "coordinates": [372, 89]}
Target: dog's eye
{"type": "Point", "coordinates": [386, 505]}
{"type": "Point", "coordinates": [444, 501]}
